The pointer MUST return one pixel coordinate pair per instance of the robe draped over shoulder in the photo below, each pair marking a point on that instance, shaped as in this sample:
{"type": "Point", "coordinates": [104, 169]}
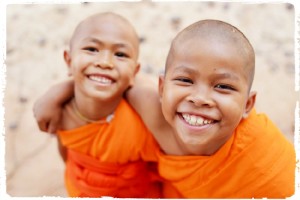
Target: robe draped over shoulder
{"type": "Point", "coordinates": [257, 161]}
{"type": "Point", "coordinates": [106, 159]}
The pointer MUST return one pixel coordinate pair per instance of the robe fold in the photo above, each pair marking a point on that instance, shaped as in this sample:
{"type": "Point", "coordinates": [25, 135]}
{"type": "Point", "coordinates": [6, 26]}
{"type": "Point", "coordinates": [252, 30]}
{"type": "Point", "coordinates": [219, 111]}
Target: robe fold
{"type": "Point", "coordinates": [106, 159]}
{"type": "Point", "coordinates": [257, 161]}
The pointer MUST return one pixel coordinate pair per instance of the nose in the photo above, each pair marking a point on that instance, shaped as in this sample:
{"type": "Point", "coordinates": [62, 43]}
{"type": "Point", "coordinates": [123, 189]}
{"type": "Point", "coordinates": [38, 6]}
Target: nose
{"type": "Point", "coordinates": [104, 60]}
{"type": "Point", "coordinates": [201, 98]}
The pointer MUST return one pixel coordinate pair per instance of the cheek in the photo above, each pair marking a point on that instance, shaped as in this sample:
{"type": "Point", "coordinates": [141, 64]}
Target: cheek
{"type": "Point", "coordinates": [126, 73]}
{"type": "Point", "coordinates": [166, 102]}
{"type": "Point", "coordinates": [76, 63]}
{"type": "Point", "coordinates": [170, 100]}
{"type": "Point", "coordinates": [231, 107]}
{"type": "Point", "coordinates": [76, 71]}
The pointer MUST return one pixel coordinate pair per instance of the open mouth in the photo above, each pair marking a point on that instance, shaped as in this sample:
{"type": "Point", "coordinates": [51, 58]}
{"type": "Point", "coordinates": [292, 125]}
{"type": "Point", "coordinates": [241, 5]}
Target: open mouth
{"type": "Point", "coordinates": [195, 120]}
{"type": "Point", "coordinates": [104, 80]}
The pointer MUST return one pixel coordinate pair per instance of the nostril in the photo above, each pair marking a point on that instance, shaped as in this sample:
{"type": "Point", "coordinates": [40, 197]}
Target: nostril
{"type": "Point", "coordinates": [202, 101]}
{"type": "Point", "coordinates": [191, 101]}
{"type": "Point", "coordinates": [104, 65]}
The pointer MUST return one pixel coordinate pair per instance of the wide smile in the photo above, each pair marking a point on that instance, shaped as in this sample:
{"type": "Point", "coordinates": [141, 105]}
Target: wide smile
{"type": "Point", "coordinates": [101, 79]}
{"type": "Point", "coordinates": [196, 120]}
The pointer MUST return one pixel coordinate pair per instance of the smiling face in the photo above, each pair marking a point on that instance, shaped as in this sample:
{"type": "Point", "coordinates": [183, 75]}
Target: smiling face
{"type": "Point", "coordinates": [205, 92]}
{"type": "Point", "coordinates": [103, 57]}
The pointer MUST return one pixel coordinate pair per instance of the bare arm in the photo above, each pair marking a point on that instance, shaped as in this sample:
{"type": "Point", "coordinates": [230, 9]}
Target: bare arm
{"type": "Point", "coordinates": [144, 98]}
{"type": "Point", "coordinates": [48, 108]}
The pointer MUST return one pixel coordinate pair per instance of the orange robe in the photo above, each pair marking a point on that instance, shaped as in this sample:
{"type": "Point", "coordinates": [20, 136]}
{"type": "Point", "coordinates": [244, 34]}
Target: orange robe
{"type": "Point", "coordinates": [106, 159]}
{"type": "Point", "coordinates": [257, 161]}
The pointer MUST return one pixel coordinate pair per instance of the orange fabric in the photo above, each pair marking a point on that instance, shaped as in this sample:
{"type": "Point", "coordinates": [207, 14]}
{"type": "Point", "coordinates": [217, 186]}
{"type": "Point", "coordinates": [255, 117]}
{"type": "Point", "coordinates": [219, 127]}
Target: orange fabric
{"type": "Point", "coordinates": [256, 162]}
{"type": "Point", "coordinates": [105, 159]}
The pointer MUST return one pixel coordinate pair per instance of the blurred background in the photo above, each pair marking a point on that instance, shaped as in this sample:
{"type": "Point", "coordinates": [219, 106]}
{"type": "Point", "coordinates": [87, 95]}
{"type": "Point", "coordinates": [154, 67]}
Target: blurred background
{"type": "Point", "coordinates": [37, 35]}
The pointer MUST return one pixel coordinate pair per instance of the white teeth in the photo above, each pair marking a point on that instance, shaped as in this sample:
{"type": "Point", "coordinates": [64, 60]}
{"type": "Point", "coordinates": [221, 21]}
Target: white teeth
{"type": "Point", "coordinates": [101, 79]}
{"type": "Point", "coordinates": [193, 120]}
{"type": "Point", "coordinates": [200, 120]}
{"type": "Point", "coordinates": [185, 116]}
{"type": "Point", "coordinates": [196, 120]}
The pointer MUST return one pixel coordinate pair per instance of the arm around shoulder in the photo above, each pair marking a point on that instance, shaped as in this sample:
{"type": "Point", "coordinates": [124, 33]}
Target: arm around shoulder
{"type": "Point", "coordinates": [47, 109]}
{"type": "Point", "coordinates": [144, 98]}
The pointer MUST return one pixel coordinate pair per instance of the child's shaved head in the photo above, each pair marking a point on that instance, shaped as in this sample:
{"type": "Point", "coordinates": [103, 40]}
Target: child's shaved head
{"type": "Point", "coordinates": [221, 32]}
{"type": "Point", "coordinates": [114, 20]}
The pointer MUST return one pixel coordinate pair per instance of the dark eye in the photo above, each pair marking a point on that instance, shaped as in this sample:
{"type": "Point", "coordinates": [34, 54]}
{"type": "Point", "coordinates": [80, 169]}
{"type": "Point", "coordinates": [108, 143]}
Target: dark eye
{"type": "Point", "coordinates": [184, 80]}
{"type": "Point", "coordinates": [91, 49]}
{"type": "Point", "coordinates": [121, 54]}
{"type": "Point", "coordinates": [224, 87]}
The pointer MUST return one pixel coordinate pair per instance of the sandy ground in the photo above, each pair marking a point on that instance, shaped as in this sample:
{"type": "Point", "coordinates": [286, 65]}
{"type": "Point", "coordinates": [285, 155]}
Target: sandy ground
{"type": "Point", "coordinates": [37, 35]}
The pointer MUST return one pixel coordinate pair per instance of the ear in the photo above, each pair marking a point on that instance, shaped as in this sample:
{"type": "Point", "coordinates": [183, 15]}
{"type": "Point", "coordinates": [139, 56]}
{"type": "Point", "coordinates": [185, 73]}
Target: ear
{"type": "Point", "coordinates": [136, 70]}
{"type": "Point", "coordinates": [161, 85]}
{"type": "Point", "coordinates": [250, 103]}
{"type": "Point", "coordinates": [67, 58]}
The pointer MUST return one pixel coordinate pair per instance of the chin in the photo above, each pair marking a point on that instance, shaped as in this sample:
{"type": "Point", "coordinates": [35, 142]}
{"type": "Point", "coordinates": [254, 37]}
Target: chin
{"type": "Point", "coordinates": [192, 141]}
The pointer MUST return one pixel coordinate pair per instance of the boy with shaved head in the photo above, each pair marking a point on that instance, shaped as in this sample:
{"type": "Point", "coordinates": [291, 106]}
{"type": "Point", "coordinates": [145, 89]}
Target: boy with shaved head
{"type": "Point", "coordinates": [213, 143]}
{"type": "Point", "coordinates": [224, 149]}
{"type": "Point", "coordinates": [100, 135]}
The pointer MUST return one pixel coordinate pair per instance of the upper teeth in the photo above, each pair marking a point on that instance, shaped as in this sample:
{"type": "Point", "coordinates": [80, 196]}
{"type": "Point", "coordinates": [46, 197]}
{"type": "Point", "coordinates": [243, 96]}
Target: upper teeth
{"type": "Point", "coordinates": [101, 79]}
{"type": "Point", "coordinates": [196, 120]}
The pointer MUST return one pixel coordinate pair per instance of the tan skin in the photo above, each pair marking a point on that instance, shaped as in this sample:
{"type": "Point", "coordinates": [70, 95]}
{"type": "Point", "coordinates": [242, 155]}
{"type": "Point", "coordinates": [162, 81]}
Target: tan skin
{"type": "Point", "coordinates": [102, 60]}
{"type": "Point", "coordinates": [203, 96]}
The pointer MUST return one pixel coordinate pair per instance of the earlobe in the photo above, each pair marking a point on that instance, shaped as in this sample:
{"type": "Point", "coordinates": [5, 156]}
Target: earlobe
{"type": "Point", "coordinates": [161, 86]}
{"type": "Point", "coordinates": [67, 59]}
{"type": "Point", "coordinates": [137, 69]}
{"type": "Point", "coordinates": [250, 103]}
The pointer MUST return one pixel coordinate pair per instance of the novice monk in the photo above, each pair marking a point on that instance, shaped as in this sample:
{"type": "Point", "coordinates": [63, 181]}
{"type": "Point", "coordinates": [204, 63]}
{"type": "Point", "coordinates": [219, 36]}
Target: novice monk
{"type": "Point", "coordinates": [101, 133]}
{"type": "Point", "coordinates": [214, 143]}
{"type": "Point", "coordinates": [224, 149]}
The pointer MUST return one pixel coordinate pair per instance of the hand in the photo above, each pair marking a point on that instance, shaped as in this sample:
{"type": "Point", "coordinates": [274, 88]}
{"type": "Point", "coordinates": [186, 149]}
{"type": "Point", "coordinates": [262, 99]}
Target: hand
{"type": "Point", "coordinates": [47, 109]}
{"type": "Point", "coordinates": [47, 114]}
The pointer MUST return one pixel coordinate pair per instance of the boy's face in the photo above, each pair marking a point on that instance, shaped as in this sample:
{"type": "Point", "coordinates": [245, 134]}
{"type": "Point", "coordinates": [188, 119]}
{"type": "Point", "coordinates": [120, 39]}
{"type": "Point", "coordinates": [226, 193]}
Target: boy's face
{"type": "Point", "coordinates": [204, 93]}
{"type": "Point", "coordinates": [103, 58]}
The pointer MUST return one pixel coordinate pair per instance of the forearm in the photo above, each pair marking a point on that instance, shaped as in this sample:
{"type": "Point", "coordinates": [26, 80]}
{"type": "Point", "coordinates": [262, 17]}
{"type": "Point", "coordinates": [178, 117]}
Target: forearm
{"type": "Point", "coordinates": [144, 98]}
{"type": "Point", "coordinates": [62, 92]}
{"type": "Point", "coordinates": [144, 89]}
{"type": "Point", "coordinates": [48, 108]}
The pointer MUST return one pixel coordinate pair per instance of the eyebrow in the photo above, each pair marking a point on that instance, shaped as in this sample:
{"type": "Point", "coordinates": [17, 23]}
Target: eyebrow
{"type": "Point", "coordinates": [183, 68]}
{"type": "Point", "coordinates": [226, 75]}
{"type": "Point", "coordinates": [219, 75]}
{"type": "Point", "coordinates": [97, 41]}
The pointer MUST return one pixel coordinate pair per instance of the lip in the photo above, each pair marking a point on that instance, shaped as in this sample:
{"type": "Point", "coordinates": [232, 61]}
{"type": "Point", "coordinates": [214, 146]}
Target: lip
{"type": "Point", "coordinates": [206, 121]}
{"type": "Point", "coordinates": [199, 114]}
{"type": "Point", "coordinates": [101, 79]}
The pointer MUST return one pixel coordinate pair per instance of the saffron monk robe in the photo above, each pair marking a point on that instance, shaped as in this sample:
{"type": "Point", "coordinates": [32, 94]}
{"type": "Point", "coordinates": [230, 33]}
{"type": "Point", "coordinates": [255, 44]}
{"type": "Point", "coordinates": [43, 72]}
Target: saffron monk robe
{"type": "Point", "coordinates": [95, 166]}
{"type": "Point", "coordinates": [103, 137]}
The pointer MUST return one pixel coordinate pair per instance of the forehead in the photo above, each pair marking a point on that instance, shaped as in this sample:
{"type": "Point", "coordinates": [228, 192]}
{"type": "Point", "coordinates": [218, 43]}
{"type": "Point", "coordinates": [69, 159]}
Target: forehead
{"type": "Point", "coordinates": [107, 28]}
{"type": "Point", "coordinates": [207, 54]}
{"type": "Point", "coordinates": [208, 47]}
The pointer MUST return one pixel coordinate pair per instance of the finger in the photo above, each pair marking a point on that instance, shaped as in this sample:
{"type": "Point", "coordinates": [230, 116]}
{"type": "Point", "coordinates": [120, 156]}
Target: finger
{"type": "Point", "coordinates": [52, 127]}
{"type": "Point", "coordinates": [43, 126]}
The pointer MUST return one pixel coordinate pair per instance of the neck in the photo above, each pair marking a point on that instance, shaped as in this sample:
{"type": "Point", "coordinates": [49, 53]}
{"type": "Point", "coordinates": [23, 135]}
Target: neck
{"type": "Point", "coordinates": [95, 109]}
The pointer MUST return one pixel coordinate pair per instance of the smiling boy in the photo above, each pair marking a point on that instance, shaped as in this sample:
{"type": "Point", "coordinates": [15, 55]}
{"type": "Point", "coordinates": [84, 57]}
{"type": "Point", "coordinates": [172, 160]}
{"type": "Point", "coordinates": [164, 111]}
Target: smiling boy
{"type": "Point", "coordinates": [213, 144]}
{"type": "Point", "coordinates": [100, 135]}
{"type": "Point", "coordinates": [205, 90]}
